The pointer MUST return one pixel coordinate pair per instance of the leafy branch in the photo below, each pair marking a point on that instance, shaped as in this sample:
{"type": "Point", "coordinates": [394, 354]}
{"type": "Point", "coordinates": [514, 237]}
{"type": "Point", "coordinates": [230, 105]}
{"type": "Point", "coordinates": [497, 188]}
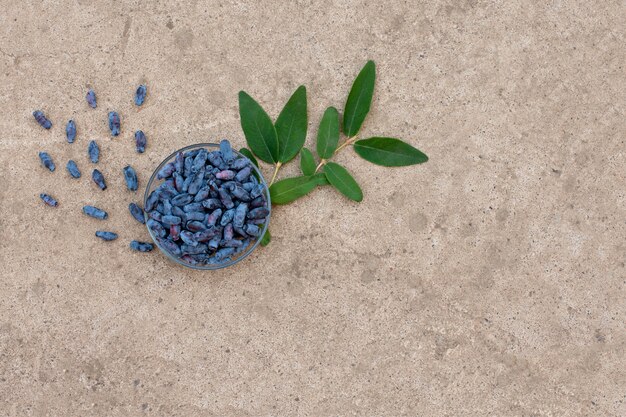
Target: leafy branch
{"type": "Point", "coordinates": [278, 143]}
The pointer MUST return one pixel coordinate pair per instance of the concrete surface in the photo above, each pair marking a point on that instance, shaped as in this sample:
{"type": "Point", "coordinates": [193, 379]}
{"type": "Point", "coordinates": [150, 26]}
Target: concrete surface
{"type": "Point", "coordinates": [487, 282]}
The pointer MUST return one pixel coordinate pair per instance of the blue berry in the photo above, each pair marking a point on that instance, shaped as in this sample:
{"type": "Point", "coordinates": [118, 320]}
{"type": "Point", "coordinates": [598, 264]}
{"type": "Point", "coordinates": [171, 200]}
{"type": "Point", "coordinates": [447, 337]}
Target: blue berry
{"type": "Point", "coordinates": [114, 123]}
{"type": "Point", "coordinates": [240, 215]}
{"type": "Point", "coordinates": [223, 253]}
{"type": "Point", "coordinates": [258, 213]}
{"type": "Point", "coordinates": [169, 246]}
{"type": "Point", "coordinates": [244, 174]}
{"type": "Point", "coordinates": [70, 131]}
{"type": "Point", "coordinates": [141, 246]}
{"type": "Point", "coordinates": [137, 213]}
{"type": "Point", "coordinates": [95, 212]}
{"type": "Point", "coordinates": [227, 151]}
{"type": "Point", "coordinates": [108, 236]}
{"type": "Point", "coordinates": [156, 227]}
{"type": "Point", "coordinates": [227, 217]}
{"type": "Point", "coordinates": [252, 230]}
{"type": "Point", "coordinates": [166, 171]}
{"type": "Point", "coordinates": [48, 200]}
{"type": "Point", "coordinates": [140, 95]}
{"type": "Point", "coordinates": [131, 178]}
{"type": "Point", "coordinates": [140, 141]}
{"type": "Point", "coordinates": [72, 168]}
{"type": "Point", "coordinates": [182, 199]}
{"type": "Point", "coordinates": [169, 220]}
{"type": "Point", "coordinates": [46, 160]}
{"type": "Point", "coordinates": [91, 99]}
{"type": "Point", "coordinates": [42, 120]}
{"type": "Point", "coordinates": [98, 178]}
{"type": "Point", "coordinates": [94, 151]}
{"type": "Point", "coordinates": [187, 237]}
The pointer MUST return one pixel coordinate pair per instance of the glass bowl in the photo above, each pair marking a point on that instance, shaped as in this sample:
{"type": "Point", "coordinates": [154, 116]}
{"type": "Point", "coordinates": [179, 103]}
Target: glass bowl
{"type": "Point", "coordinates": [254, 242]}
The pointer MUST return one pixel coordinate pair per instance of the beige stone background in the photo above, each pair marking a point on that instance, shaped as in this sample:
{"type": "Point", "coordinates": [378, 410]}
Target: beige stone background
{"type": "Point", "coordinates": [487, 282]}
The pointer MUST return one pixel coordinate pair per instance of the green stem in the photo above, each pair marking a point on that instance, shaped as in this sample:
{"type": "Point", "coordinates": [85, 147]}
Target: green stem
{"type": "Point", "coordinates": [349, 141]}
{"type": "Point", "coordinates": [278, 165]}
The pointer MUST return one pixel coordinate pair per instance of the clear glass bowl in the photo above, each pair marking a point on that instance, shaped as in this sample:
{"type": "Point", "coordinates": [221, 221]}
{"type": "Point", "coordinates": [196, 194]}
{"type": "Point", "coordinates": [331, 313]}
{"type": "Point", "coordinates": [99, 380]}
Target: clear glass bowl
{"type": "Point", "coordinates": [154, 182]}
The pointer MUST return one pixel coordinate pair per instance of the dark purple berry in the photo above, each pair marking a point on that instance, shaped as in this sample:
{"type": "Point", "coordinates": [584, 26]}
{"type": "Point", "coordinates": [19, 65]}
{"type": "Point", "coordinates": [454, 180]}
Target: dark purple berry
{"type": "Point", "coordinates": [175, 232]}
{"type": "Point", "coordinates": [225, 175]}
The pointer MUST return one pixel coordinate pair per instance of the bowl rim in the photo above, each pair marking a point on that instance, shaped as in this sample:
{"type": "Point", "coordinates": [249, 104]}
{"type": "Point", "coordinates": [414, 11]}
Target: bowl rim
{"type": "Point", "coordinates": [207, 267]}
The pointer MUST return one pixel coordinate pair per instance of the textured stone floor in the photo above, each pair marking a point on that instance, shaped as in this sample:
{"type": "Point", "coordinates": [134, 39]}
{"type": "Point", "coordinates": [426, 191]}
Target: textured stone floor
{"type": "Point", "coordinates": [487, 282]}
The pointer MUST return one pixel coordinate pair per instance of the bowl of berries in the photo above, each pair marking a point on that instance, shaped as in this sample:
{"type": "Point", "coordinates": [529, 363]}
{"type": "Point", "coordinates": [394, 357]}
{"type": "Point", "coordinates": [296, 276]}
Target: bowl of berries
{"type": "Point", "coordinates": [207, 206]}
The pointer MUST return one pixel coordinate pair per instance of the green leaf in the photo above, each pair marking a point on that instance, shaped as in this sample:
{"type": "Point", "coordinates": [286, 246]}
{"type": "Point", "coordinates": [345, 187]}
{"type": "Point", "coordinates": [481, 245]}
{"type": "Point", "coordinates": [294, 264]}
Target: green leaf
{"type": "Point", "coordinates": [389, 152]}
{"type": "Point", "coordinates": [258, 129]}
{"type": "Point", "coordinates": [307, 163]}
{"type": "Point", "coordinates": [341, 179]}
{"type": "Point", "coordinates": [290, 189]}
{"type": "Point", "coordinates": [328, 133]}
{"type": "Point", "coordinates": [359, 100]}
{"type": "Point", "coordinates": [291, 126]}
{"type": "Point", "coordinates": [246, 152]}
{"type": "Point", "coordinates": [266, 239]}
{"type": "Point", "coordinates": [320, 179]}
